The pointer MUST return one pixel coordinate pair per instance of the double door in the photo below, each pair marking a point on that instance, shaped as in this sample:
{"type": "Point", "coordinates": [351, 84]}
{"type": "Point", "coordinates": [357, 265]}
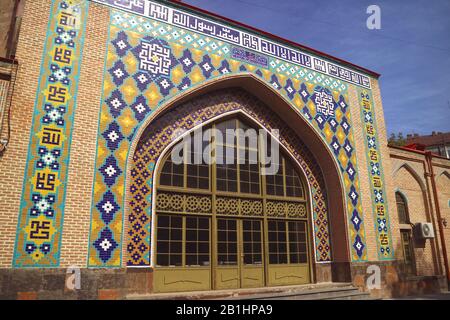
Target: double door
{"type": "Point", "coordinates": [240, 254]}
{"type": "Point", "coordinates": [203, 253]}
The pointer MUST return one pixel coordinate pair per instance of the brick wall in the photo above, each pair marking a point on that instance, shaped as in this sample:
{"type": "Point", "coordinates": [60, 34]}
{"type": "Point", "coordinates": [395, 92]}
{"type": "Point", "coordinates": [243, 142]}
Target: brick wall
{"type": "Point", "coordinates": [80, 178]}
{"type": "Point", "coordinates": [360, 145]}
{"type": "Point", "coordinates": [412, 178]}
{"type": "Point", "coordinates": [81, 167]}
{"type": "Point", "coordinates": [443, 186]}
{"type": "Point", "coordinates": [387, 166]}
{"type": "Point", "coordinates": [441, 169]}
{"type": "Point", "coordinates": [409, 186]}
{"type": "Point", "coordinates": [79, 189]}
{"type": "Point", "coordinates": [29, 54]}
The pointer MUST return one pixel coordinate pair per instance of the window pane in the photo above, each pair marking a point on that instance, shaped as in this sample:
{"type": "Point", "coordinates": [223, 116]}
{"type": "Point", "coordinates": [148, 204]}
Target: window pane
{"type": "Point", "coordinates": [191, 235]}
{"type": "Point", "coordinates": [226, 157]}
{"type": "Point", "coordinates": [277, 242]}
{"type": "Point", "coordinates": [163, 221]}
{"type": "Point", "coordinates": [175, 247]}
{"type": "Point", "coordinates": [165, 179]}
{"type": "Point", "coordinates": [177, 180]}
{"type": "Point", "coordinates": [227, 177]}
{"type": "Point", "coordinates": [227, 131]}
{"type": "Point", "coordinates": [162, 259]}
{"type": "Point", "coordinates": [198, 175]}
{"type": "Point", "coordinates": [227, 242]}
{"type": "Point", "coordinates": [402, 208]}
{"type": "Point", "coordinates": [169, 245]}
{"type": "Point", "coordinates": [203, 183]}
{"type": "Point", "coordinates": [163, 247]}
{"type": "Point", "coordinates": [294, 186]}
{"type": "Point", "coordinates": [171, 174]}
{"type": "Point", "coordinates": [273, 258]}
{"type": "Point", "coordinates": [297, 242]}
{"type": "Point", "coordinates": [175, 234]}
{"type": "Point", "coordinates": [274, 183]}
{"type": "Point", "coordinates": [176, 222]}
{"type": "Point", "coordinates": [191, 260]}
{"type": "Point", "coordinates": [197, 241]}
{"type": "Point", "coordinates": [175, 260]}
{"type": "Point", "coordinates": [252, 244]}
{"type": "Point", "coordinates": [249, 173]}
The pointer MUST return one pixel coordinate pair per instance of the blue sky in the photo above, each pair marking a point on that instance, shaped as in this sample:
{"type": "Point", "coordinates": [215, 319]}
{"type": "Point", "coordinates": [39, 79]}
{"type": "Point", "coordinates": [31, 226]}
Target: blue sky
{"type": "Point", "coordinates": [411, 51]}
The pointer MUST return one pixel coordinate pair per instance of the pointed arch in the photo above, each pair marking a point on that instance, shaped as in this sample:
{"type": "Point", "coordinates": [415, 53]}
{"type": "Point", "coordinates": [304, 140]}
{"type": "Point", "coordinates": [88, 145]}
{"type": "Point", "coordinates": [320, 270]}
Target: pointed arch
{"type": "Point", "coordinates": [336, 196]}
{"type": "Point", "coordinates": [238, 113]}
{"type": "Point", "coordinates": [413, 172]}
{"type": "Point", "coordinates": [445, 173]}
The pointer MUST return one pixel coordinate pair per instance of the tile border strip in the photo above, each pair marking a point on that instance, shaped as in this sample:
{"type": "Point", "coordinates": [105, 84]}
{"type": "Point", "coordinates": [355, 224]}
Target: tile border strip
{"type": "Point", "coordinates": [41, 216]}
{"type": "Point", "coordinates": [385, 250]}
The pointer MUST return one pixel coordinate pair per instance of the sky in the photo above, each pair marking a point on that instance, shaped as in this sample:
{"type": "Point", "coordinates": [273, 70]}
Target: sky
{"type": "Point", "coordinates": [411, 51]}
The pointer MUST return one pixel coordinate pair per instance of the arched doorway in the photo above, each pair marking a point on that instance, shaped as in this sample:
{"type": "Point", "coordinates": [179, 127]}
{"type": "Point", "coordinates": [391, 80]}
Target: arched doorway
{"type": "Point", "coordinates": [330, 252]}
{"type": "Point", "coordinates": [228, 223]}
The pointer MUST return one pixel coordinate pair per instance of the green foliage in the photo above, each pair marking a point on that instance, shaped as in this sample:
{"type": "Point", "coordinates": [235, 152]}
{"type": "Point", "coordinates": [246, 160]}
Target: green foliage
{"type": "Point", "coordinates": [397, 140]}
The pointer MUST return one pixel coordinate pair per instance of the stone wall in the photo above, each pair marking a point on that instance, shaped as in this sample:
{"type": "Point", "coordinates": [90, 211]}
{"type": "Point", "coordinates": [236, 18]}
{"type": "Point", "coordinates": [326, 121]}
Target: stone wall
{"type": "Point", "coordinates": [394, 283]}
{"type": "Point", "coordinates": [103, 284]}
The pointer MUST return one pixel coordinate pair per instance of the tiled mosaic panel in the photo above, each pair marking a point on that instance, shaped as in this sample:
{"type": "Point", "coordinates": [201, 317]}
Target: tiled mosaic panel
{"type": "Point", "coordinates": [42, 208]}
{"type": "Point", "coordinates": [376, 178]}
{"type": "Point", "coordinates": [246, 40]}
{"type": "Point", "coordinates": [148, 63]}
{"type": "Point", "coordinates": [189, 39]}
{"type": "Point", "coordinates": [157, 138]}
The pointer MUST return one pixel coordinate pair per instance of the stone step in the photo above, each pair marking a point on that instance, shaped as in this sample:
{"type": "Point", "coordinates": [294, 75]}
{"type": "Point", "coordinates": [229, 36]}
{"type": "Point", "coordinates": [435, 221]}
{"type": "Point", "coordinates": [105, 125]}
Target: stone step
{"type": "Point", "coordinates": [351, 296]}
{"type": "Point", "coordinates": [312, 294]}
{"type": "Point", "coordinates": [309, 291]}
{"type": "Point", "coordinates": [332, 293]}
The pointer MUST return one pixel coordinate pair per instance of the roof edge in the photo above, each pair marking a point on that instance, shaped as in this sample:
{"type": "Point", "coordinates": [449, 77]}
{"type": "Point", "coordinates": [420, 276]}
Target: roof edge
{"type": "Point", "coordinates": [419, 152]}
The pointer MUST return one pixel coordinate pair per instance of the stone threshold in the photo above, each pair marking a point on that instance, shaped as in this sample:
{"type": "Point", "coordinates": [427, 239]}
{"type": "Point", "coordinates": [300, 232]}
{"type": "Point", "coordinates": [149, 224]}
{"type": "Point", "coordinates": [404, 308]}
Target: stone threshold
{"type": "Point", "coordinates": [240, 293]}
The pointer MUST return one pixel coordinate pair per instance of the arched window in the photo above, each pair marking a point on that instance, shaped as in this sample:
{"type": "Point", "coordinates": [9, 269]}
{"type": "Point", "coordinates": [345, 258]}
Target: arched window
{"type": "Point", "coordinates": [226, 217]}
{"type": "Point", "coordinates": [402, 208]}
{"type": "Point", "coordinates": [236, 167]}
{"type": "Point", "coordinates": [405, 233]}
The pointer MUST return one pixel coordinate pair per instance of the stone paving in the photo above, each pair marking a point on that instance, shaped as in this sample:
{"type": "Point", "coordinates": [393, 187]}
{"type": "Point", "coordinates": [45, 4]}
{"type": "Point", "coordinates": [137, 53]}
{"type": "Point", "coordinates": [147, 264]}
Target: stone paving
{"type": "Point", "coordinates": [437, 296]}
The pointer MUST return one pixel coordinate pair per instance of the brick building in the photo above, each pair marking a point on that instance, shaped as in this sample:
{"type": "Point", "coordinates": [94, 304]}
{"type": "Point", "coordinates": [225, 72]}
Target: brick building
{"type": "Point", "coordinates": [92, 107]}
{"type": "Point", "coordinates": [436, 142]}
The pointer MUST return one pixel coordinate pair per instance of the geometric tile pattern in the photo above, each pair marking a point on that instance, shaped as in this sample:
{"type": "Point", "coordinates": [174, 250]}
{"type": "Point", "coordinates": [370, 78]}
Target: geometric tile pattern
{"type": "Point", "coordinates": [41, 213]}
{"type": "Point", "coordinates": [193, 40]}
{"type": "Point", "coordinates": [157, 137]}
{"type": "Point", "coordinates": [245, 39]}
{"type": "Point", "coordinates": [186, 60]}
{"type": "Point", "coordinates": [376, 178]}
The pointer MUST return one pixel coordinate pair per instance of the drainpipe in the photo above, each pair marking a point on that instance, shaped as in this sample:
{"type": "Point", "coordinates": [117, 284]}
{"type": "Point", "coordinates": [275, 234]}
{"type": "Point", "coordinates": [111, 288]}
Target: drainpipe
{"type": "Point", "coordinates": [12, 30]}
{"type": "Point", "coordinates": [429, 158]}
